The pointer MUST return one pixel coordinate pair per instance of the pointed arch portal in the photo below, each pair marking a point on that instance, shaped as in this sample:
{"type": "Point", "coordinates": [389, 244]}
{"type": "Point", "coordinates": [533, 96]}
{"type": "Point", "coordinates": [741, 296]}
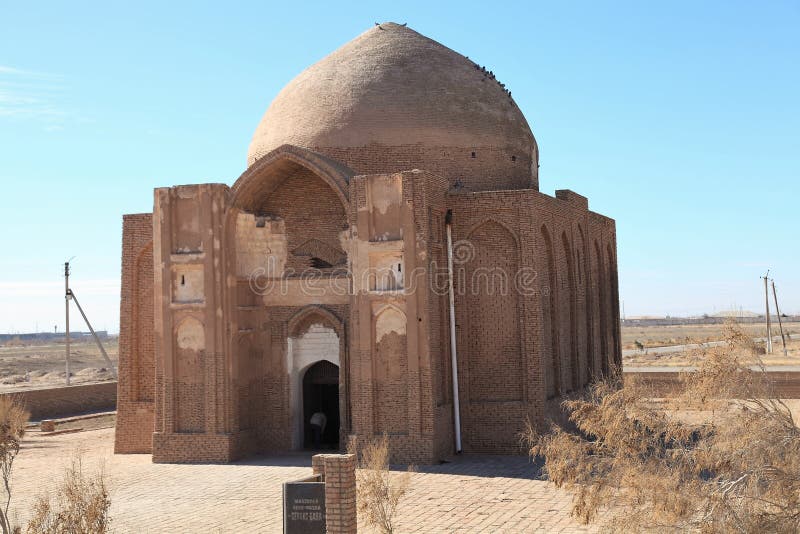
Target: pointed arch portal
{"type": "Point", "coordinates": [321, 394]}
{"type": "Point", "coordinates": [314, 347]}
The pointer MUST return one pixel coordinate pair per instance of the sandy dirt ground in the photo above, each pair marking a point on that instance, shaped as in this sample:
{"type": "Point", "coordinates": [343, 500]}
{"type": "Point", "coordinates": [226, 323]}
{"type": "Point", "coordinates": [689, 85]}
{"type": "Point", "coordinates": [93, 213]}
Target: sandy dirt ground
{"type": "Point", "coordinates": [653, 337]}
{"type": "Point", "coordinates": [660, 336]}
{"type": "Point", "coordinates": [35, 365]}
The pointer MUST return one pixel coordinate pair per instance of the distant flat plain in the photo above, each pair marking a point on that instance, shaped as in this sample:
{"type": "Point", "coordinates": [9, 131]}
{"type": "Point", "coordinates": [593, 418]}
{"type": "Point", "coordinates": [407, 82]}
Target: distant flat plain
{"type": "Point", "coordinates": [652, 337]}
{"type": "Point", "coordinates": [31, 364]}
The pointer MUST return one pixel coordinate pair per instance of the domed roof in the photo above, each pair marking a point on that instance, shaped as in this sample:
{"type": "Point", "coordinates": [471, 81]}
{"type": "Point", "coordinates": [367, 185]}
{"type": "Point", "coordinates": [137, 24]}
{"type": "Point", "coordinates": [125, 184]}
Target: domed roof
{"type": "Point", "coordinates": [393, 87]}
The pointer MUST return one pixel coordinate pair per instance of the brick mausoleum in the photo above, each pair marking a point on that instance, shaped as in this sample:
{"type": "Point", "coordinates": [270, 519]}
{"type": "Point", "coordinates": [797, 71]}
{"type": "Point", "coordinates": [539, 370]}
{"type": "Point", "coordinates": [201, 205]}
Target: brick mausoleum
{"type": "Point", "coordinates": [318, 281]}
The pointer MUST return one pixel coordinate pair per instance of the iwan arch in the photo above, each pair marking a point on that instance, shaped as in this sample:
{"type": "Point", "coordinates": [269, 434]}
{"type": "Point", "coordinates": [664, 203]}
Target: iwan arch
{"type": "Point", "coordinates": [319, 281]}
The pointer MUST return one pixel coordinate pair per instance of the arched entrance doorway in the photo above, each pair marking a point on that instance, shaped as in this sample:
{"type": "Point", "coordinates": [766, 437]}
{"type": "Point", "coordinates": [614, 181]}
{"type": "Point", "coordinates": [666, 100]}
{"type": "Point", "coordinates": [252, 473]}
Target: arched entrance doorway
{"type": "Point", "coordinates": [313, 354]}
{"type": "Point", "coordinates": [321, 394]}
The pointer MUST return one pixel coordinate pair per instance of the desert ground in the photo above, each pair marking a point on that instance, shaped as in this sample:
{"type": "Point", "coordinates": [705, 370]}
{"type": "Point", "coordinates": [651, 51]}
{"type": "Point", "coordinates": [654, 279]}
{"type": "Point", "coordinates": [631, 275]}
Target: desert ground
{"type": "Point", "coordinates": [660, 336]}
{"type": "Point", "coordinates": [33, 365]}
{"type": "Point", "coordinates": [690, 340]}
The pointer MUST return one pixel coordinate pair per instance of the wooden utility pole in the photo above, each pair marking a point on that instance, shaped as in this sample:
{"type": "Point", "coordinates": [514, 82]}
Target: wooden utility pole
{"type": "Point", "coordinates": [769, 326]}
{"type": "Point", "coordinates": [66, 302]}
{"type": "Point", "coordinates": [778, 312]}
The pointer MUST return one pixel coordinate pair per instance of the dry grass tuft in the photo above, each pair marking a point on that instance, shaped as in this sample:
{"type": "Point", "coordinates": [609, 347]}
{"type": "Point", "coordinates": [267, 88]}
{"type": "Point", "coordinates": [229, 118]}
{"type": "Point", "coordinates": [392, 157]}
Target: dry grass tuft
{"type": "Point", "coordinates": [379, 491]}
{"type": "Point", "coordinates": [645, 468]}
{"type": "Point", "coordinates": [80, 505]}
{"type": "Point", "coordinates": [13, 418]}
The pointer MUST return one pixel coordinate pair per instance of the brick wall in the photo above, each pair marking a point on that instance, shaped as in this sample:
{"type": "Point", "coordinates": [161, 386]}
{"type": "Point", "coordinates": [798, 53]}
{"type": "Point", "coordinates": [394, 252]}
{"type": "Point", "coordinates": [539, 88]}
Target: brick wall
{"type": "Point", "coordinates": [339, 472]}
{"type": "Point", "coordinates": [517, 344]}
{"type": "Point", "coordinates": [47, 403]}
{"type": "Point", "coordinates": [552, 237]}
{"type": "Point", "coordinates": [312, 214]}
{"type": "Point", "coordinates": [391, 383]}
{"type": "Point", "coordinates": [262, 382]}
{"type": "Point", "coordinates": [136, 343]}
{"type": "Point", "coordinates": [190, 381]}
{"type": "Point", "coordinates": [194, 448]}
{"type": "Point", "coordinates": [194, 405]}
{"type": "Point", "coordinates": [567, 319]}
{"type": "Point", "coordinates": [786, 384]}
{"type": "Point", "coordinates": [492, 168]}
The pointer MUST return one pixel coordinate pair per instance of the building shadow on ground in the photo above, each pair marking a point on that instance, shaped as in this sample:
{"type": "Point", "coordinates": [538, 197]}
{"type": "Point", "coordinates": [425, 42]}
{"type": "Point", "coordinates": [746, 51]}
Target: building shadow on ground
{"type": "Point", "coordinates": [473, 465]}
{"type": "Point", "coordinates": [486, 466]}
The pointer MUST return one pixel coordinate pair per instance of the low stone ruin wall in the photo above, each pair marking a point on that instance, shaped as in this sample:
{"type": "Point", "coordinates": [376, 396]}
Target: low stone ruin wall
{"type": "Point", "coordinates": [47, 403]}
{"type": "Point", "coordinates": [665, 383]}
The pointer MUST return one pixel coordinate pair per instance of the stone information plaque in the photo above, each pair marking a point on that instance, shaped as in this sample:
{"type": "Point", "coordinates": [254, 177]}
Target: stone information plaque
{"type": "Point", "coordinates": [304, 508]}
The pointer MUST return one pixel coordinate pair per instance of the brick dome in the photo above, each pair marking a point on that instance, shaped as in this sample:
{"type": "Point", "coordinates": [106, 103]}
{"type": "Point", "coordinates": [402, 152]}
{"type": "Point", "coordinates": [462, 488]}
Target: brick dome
{"type": "Point", "coordinates": [393, 100]}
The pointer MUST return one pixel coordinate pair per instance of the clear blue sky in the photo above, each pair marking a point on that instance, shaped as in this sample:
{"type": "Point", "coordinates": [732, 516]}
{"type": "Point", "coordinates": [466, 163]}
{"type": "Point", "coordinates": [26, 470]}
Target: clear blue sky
{"type": "Point", "coordinates": [681, 120]}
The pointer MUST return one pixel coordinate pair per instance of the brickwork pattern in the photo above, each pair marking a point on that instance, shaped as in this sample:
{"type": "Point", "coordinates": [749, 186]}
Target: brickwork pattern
{"type": "Point", "coordinates": [193, 405]}
{"type": "Point", "coordinates": [548, 346]}
{"type": "Point", "coordinates": [565, 276]}
{"type": "Point", "coordinates": [189, 405]}
{"type": "Point", "coordinates": [136, 391]}
{"type": "Point", "coordinates": [550, 314]}
{"type": "Point", "coordinates": [194, 448]}
{"type": "Point", "coordinates": [469, 494]}
{"type": "Point", "coordinates": [492, 168]}
{"type": "Point", "coordinates": [398, 384]}
{"type": "Point", "coordinates": [504, 334]}
{"type": "Point", "coordinates": [143, 352]}
{"type": "Point", "coordinates": [339, 470]}
{"type": "Point", "coordinates": [391, 384]}
{"type": "Point", "coordinates": [46, 403]}
{"type": "Point", "coordinates": [262, 382]}
{"type": "Point", "coordinates": [493, 314]}
{"type": "Point", "coordinates": [311, 211]}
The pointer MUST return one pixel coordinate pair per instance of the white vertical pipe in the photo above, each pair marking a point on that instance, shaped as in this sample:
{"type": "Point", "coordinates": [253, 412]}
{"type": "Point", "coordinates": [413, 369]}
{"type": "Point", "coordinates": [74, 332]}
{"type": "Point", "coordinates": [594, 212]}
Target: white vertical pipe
{"type": "Point", "coordinates": [453, 353]}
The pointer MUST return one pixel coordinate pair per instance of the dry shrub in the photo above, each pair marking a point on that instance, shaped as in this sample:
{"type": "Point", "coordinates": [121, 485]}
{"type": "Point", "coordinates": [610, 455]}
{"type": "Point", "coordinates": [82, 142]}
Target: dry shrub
{"type": "Point", "coordinates": [13, 418]}
{"type": "Point", "coordinates": [378, 490]}
{"type": "Point", "coordinates": [80, 505]}
{"type": "Point", "coordinates": [640, 466]}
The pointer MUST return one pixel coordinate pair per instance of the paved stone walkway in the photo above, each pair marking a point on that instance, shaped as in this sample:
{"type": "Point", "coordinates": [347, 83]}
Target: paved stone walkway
{"type": "Point", "coordinates": [472, 494]}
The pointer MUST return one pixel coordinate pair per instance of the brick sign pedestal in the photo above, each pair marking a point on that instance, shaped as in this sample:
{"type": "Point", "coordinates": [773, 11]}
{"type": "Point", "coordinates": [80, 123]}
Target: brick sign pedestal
{"type": "Point", "coordinates": [325, 502]}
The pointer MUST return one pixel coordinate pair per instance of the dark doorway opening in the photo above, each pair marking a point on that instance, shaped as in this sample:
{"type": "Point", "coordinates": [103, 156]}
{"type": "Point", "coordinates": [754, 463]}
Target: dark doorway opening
{"type": "Point", "coordinates": [321, 394]}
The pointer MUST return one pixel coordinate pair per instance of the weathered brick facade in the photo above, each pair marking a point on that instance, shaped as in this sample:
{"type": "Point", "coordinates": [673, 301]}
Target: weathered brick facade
{"type": "Point", "coordinates": [333, 249]}
{"type": "Point", "coordinates": [135, 392]}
